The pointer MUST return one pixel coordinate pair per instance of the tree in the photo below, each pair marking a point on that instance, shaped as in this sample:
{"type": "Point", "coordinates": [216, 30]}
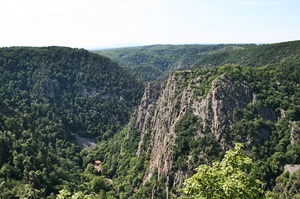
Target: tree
{"type": "Point", "coordinates": [65, 194]}
{"type": "Point", "coordinates": [226, 179]}
{"type": "Point", "coordinates": [287, 186]}
{"type": "Point", "coordinates": [99, 183]}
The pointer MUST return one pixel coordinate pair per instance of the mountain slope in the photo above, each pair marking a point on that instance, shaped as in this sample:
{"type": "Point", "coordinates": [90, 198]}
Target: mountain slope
{"type": "Point", "coordinates": [254, 55]}
{"type": "Point", "coordinates": [165, 58]}
{"type": "Point", "coordinates": [195, 116]}
{"type": "Point", "coordinates": [75, 81]}
{"type": "Point", "coordinates": [48, 95]}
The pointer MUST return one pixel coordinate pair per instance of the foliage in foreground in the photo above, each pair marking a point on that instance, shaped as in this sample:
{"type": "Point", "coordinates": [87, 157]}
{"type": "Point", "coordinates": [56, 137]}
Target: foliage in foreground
{"type": "Point", "coordinates": [226, 179]}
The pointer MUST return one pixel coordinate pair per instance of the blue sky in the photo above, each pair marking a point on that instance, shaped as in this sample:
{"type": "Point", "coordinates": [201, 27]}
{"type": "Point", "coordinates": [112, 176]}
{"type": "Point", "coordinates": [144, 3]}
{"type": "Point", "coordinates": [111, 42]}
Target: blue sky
{"type": "Point", "coordinates": [105, 23]}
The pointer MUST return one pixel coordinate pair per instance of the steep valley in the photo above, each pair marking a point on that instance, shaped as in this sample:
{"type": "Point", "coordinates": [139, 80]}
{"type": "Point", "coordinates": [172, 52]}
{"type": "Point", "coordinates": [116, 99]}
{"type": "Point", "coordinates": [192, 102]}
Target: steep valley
{"type": "Point", "coordinates": [145, 138]}
{"type": "Point", "coordinates": [49, 97]}
{"type": "Point", "coordinates": [194, 116]}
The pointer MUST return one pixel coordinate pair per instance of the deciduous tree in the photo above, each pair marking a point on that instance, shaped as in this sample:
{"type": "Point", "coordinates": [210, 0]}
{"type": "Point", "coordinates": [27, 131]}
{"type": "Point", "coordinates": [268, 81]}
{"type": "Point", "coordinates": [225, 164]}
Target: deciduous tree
{"type": "Point", "coordinates": [226, 179]}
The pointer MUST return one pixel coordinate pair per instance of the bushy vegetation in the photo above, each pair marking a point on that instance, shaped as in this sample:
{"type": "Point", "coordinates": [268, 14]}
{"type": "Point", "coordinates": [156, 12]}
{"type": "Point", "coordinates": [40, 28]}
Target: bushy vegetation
{"type": "Point", "coordinates": [255, 55]}
{"type": "Point", "coordinates": [265, 125]}
{"type": "Point", "coordinates": [287, 186]}
{"type": "Point", "coordinates": [48, 95]}
{"type": "Point", "coordinates": [147, 73]}
{"type": "Point", "coordinates": [191, 150]}
{"type": "Point", "coordinates": [229, 178]}
{"type": "Point", "coordinates": [163, 59]}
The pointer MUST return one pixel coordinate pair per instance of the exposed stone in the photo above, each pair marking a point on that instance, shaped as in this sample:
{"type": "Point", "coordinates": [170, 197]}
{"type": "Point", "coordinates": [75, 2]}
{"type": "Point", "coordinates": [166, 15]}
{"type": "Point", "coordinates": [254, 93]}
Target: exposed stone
{"type": "Point", "coordinates": [162, 106]}
{"type": "Point", "coordinates": [295, 133]}
{"type": "Point", "coordinates": [85, 143]}
{"type": "Point", "coordinates": [291, 168]}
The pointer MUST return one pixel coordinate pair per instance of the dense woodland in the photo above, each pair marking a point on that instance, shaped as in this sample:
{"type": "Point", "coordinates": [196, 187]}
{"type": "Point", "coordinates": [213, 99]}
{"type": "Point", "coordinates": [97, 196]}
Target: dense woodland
{"type": "Point", "coordinates": [255, 55]}
{"type": "Point", "coordinates": [271, 139]}
{"type": "Point", "coordinates": [50, 95]}
{"type": "Point", "coordinates": [155, 63]}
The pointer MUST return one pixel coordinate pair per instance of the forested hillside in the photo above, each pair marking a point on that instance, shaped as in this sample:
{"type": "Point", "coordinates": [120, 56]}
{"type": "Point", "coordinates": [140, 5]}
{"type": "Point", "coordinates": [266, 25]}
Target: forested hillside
{"type": "Point", "coordinates": [150, 63]}
{"type": "Point", "coordinates": [48, 96]}
{"type": "Point", "coordinates": [199, 115]}
{"type": "Point", "coordinates": [196, 115]}
{"type": "Point", "coordinates": [256, 55]}
{"type": "Point", "coordinates": [148, 143]}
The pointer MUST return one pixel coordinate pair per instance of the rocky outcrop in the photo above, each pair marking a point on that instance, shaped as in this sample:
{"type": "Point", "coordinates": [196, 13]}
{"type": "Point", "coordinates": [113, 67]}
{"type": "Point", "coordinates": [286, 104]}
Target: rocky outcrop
{"type": "Point", "coordinates": [158, 113]}
{"type": "Point", "coordinates": [141, 119]}
{"type": "Point", "coordinates": [85, 143]}
{"type": "Point", "coordinates": [291, 168]}
{"type": "Point", "coordinates": [162, 106]}
{"type": "Point", "coordinates": [217, 108]}
{"type": "Point", "coordinates": [295, 132]}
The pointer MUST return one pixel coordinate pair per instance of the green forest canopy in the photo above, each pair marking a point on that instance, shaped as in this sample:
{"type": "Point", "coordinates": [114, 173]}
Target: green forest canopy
{"type": "Point", "coordinates": [48, 95]}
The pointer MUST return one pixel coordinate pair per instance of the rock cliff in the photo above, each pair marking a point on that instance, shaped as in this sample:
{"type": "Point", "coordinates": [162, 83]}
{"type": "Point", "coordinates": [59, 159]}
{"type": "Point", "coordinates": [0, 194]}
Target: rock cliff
{"type": "Point", "coordinates": [163, 105]}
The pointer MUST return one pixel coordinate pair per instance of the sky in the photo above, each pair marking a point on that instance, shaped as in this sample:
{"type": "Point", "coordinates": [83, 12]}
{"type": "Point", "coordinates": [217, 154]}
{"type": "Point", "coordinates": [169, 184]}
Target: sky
{"type": "Point", "coordinates": [110, 23]}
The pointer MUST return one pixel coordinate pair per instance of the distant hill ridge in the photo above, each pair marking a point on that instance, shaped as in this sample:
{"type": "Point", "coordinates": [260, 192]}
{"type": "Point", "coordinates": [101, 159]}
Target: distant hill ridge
{"type": "Point", "coordinates": [167, 58]}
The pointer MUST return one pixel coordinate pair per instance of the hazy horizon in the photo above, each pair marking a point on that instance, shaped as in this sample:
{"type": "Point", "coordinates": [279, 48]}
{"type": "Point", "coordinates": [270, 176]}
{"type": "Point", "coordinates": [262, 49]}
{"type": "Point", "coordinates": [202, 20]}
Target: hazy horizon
{"type": "Point", "coordinates": [94, 24]}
